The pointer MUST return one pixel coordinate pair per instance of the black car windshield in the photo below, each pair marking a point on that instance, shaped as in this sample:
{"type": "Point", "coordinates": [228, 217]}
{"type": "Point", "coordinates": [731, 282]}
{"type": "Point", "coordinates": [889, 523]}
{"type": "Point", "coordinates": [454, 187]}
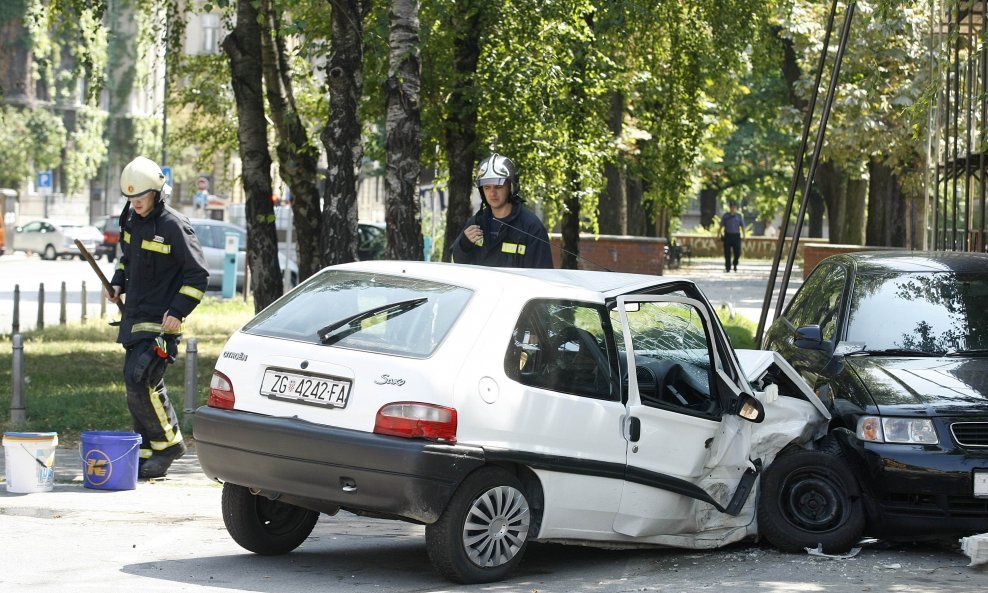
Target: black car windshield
{"type": "Point", "coordinates": [939, 312]}
{"type": "Point", "coordinates": [416, 314]}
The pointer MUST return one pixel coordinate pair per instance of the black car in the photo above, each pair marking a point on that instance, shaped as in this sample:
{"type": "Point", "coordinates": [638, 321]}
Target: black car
{"type": "Point", "coordinates": [896, 343]}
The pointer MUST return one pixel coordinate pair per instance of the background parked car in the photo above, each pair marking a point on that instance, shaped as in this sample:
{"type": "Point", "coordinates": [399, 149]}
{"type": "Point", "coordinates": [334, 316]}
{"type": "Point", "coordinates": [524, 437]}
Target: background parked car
{"type": "Point", "coordinates": [371, 241]}
{"type": "Point", "coordinates": [212, 237]}
{"type": "Point", "coordinates": [53, 238]}
{"type": "Point", "coordinates": [110, 227]}
{"type": "Point", "coordinates": [496, 407]}
{"type": "Point", "coordinates": [898, 342]}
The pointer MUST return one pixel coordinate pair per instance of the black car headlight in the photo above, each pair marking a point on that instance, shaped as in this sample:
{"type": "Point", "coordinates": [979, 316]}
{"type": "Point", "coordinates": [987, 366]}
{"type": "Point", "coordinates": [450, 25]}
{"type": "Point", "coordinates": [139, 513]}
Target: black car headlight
{"type": "Point", "coordinates": [912, 431]}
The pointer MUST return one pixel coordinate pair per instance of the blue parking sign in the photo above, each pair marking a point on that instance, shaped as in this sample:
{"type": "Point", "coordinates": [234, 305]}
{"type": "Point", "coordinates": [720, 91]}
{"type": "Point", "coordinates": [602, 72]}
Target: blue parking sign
{"type": "Point", "coordinates": [44, 180]}
{"type": "Point", "coordinates": [168, 175]}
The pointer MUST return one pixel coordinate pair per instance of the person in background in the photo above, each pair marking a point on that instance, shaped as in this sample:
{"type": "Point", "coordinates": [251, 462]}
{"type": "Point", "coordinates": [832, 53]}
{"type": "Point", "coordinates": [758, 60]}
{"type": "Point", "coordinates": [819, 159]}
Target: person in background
{"type": "Point", "coordinates": [163, 272]}
{"type": "Point", "coordinates": [731, 233]}
{"type": "Point", "coordinates": [503, 233]}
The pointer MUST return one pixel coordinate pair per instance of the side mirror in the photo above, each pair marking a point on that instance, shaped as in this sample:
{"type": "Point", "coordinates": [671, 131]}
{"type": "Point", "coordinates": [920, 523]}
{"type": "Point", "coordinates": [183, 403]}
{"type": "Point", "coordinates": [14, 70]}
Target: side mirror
{"type": "Point", "coordinates": [750, 409]}
{"type": "Point", "coordinates": [809, 337]}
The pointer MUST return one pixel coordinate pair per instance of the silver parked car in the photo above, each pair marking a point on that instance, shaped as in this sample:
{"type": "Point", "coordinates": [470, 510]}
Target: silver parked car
{"type": "Point", "coordinates": [212, 237]}
{"type": "Point", "coordinates": [53, 238]}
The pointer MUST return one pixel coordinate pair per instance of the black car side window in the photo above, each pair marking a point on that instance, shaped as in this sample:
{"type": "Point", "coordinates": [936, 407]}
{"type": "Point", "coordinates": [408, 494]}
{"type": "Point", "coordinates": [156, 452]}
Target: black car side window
{"type": "Point", "coordinates": [560, 346]}
{"type": "Point", "coordinates": [818, 301]}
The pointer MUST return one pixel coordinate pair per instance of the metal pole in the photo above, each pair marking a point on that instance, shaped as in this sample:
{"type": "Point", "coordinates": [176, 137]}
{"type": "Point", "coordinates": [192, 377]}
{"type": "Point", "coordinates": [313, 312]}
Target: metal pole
{"type": "Point", "coordinates": [18, 412]}
{"type": "Point", "coordinates": [84, 302]}
{"type": "Point", "coordinates": [980, 243]}
{"type": "Point", "coordinates": [102, 304]}
{"type": "Point", "coordinates": [824, 118]}
{"type": "Point", "coordinates": [796, 175]}
{"type": "Point", "coordinates": [191, 372]}
{"type": "Point", "coordinates": [16, 325]}
{"type": "Point", "coordinates": [63, 302]}
{"type": "Point", "coordinates": [957, 131]}
{"type": "Point", "coordinates": [41, 306]}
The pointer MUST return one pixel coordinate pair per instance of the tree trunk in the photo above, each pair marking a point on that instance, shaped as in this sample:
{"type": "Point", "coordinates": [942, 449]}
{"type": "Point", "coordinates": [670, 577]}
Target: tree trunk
{"type": "Point", "coordinates": [243, 46]}
{"type": "Point", "coordinates": [854, 212]}
{"type": "Point", "coordinates": [709, 196]}
{"type": "Point", "coordinates": [570, 226]}
{"type": "Point", "coordinates": [887, 208]}
{"type": "Point", "coordinates": [612, 211]}
{"type": "Point", "coordinates": [297, 156]}
{"type": "Point", "coordinates": [637, 218]}
{"type": "Point", "coordinates": [461, 126]}
{"type": "Point", "coordinates": [832, 185]}
{"type": "Point", "coordinates": [401, 180]}
{"type": "Point", "coordinates": [814, 216]}
{"type": "Point", "coordinates": [341, 136]}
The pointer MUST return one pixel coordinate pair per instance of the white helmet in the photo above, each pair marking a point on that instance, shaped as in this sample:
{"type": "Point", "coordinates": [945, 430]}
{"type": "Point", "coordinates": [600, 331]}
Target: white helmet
{"type": "Point", "coordinates": [497, 170]}
{"type": "Point", "coordinates": [142, 175]}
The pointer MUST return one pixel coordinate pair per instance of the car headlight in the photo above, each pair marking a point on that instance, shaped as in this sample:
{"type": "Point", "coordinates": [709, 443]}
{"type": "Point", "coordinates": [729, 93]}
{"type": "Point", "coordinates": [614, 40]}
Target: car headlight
{"type": "Point", "coordinates": [914, 431]}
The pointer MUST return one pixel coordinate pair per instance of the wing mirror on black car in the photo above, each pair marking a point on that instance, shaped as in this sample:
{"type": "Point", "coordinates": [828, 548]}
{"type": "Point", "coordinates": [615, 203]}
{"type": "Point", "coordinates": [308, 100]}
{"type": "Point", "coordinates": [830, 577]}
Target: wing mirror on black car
{"type": "Point", "coordinates": [809, 337]}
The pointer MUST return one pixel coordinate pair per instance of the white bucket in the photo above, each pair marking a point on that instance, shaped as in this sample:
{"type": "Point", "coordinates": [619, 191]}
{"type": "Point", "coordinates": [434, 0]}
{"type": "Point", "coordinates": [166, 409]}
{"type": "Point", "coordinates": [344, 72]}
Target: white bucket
{"type": "Point", "coordinates": [30, 461]}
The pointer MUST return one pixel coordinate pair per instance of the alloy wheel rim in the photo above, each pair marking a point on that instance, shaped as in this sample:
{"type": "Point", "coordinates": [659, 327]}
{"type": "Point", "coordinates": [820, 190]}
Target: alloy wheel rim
{"type": "Point", "coordinates": [496, 526]}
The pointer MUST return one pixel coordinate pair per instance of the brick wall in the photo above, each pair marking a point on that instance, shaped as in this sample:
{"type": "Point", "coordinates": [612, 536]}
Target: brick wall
{"type": "Point", "coordinates": [753, 247]}
{"type": "Point", "coordinates": [640, 255]}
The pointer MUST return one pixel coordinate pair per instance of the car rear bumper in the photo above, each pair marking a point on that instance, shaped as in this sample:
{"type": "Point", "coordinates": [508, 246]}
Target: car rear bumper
{"type": "Point", "coordinates": [920, 493]}
{"type": "Point", "coordinates": [361, 472]}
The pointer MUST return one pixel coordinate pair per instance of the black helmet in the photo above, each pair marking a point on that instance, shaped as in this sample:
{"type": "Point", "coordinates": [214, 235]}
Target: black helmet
{"type": "Point", "coordinates": [497, 170]}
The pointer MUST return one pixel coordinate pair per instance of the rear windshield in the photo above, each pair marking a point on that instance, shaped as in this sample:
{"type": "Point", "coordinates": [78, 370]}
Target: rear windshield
{"type": "Point", "coordinates": [365, 311]}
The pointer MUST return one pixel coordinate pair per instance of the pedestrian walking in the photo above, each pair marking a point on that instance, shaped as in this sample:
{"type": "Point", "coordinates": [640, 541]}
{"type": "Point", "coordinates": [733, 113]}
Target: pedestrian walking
{"type": "Point", "coordinates": [503, 233]}
{"type": "Point", "coordinates": [731, 233]}
{"type": "Point", "coordinates": [163, 272]}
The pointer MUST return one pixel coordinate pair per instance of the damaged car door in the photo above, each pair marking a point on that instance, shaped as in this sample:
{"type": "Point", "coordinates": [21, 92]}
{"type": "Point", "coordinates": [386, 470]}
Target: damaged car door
{"type": "Point", "coordinates": [687, 425]}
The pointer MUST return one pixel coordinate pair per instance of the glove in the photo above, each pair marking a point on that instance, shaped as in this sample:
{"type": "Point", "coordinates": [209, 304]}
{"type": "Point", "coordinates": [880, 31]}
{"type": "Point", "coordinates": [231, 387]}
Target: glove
{"type": "Point", "coordinates": [151, 364]}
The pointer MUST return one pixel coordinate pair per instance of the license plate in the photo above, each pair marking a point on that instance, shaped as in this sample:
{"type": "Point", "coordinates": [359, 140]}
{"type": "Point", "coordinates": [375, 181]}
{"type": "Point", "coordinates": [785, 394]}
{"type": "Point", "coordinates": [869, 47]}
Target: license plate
{"type": "Point", "coordinates": [981, 484]}
{"type": "Point", "coordinates": [321, 391]}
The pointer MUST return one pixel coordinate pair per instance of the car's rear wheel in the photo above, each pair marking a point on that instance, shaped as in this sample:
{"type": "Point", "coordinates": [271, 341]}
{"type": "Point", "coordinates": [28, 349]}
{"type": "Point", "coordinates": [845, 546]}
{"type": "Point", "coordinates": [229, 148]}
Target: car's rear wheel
{"type": "Point", "coordinates": [49, 252]}
{"type": "Point", "coordinates": [482, 534]}
{"type": "Point", "coordinates": [810, 497]}
{"type": "Point", "coordinates": [265, 526]}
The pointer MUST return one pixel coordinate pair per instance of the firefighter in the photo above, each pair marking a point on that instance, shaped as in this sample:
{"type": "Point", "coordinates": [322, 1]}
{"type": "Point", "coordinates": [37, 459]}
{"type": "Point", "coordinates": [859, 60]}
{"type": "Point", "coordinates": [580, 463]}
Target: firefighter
{"type": "Point", "coordinates": [503, 233]}
{"type": "Point", "coordinates": [163, 273]}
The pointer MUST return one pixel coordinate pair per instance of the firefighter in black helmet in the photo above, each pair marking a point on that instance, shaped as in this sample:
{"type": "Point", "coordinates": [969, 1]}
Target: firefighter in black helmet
{"type": "Point", "coordinates": [503, 233]}
{"type": "Point", "coordinates": [163, 272]}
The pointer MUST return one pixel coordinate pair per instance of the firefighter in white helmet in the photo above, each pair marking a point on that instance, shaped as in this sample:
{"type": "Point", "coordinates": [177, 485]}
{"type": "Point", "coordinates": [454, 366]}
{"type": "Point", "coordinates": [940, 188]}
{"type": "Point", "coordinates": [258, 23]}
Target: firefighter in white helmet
{"type": "Point", "coordinates": [163, 273]}
{"type": "Point", "coordinates": [503, 233]}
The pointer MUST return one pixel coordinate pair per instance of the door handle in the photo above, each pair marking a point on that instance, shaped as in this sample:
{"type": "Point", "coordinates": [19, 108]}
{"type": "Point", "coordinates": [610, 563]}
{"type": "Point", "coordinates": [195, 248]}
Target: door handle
{"type": "Point", "coordinates": [634, 429]}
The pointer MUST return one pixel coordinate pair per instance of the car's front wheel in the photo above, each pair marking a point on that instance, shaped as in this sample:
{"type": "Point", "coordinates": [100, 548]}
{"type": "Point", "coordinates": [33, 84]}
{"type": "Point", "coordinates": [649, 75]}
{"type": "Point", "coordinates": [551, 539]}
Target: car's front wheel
{"type": "Point", "coordinates": [810, 497]}
{"type": "Point", "coordinates": [265, 526]}
{"type": "Point", "coordinates": [49, 253]}
{"type": "Point", "coordinates": [482, 534]}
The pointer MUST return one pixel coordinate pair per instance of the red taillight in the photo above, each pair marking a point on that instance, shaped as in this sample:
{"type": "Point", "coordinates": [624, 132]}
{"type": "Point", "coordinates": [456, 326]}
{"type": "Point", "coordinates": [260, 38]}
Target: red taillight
{"type": "Point", "coordinates": [416, 420]}
{"type": "Point", "coordinates": [220, 392]}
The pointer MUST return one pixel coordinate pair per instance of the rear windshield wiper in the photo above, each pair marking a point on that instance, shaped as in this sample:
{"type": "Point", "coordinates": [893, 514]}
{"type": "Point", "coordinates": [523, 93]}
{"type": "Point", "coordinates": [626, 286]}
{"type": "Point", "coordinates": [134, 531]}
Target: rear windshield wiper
{"type": "Point", "coordinates": [895, 352]}
{"type": "Point", "coordinates": [327, 335]}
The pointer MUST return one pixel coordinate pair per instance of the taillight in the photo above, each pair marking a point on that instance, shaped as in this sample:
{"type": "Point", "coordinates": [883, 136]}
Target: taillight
{"type": "Point", "coordinates": [416, 420]}
{"type": "Point", "coordinates": [220, 392]}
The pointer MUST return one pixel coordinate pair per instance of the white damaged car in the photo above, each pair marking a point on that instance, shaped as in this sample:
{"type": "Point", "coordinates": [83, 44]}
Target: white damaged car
{"type": "Point", "coordinates": [495, 407]}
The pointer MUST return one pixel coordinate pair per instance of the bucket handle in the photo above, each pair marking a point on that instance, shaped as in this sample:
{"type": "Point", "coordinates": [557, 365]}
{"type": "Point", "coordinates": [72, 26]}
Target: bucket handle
{"type": "Point", "coordinates": [112, 461]}
{"type": "Point", "coordinates": [41, 463]}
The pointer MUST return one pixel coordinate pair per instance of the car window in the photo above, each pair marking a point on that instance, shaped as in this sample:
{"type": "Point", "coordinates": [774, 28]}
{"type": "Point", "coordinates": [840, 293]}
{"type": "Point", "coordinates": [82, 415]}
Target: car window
{"type": "Point", "coordinates": [673, 362]}
{"type": "Point", "coordinates": [560, 345]}
{"type": "Point", "coordinates": [932, 312]}
{"type": "Point", "coordinates": [818, 301]}
{"type": "Point", "coordinates": [365, 311]}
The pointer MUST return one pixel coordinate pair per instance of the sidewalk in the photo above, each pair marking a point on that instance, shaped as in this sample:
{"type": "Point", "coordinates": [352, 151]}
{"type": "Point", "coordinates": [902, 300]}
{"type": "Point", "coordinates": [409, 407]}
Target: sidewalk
{"type": "Point", "coordinates": [744, 290]}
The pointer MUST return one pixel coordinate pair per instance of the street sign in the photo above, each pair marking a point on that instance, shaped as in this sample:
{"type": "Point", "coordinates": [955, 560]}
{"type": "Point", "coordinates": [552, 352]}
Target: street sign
{"type": "Point", "coordinates": [168, 175]}
{"type": "Point", "coordinates": [44, 181]}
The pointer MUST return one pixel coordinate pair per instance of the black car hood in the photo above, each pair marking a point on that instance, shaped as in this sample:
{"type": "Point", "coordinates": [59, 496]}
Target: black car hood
{"type": "Point", "coordinates": [938, 386]}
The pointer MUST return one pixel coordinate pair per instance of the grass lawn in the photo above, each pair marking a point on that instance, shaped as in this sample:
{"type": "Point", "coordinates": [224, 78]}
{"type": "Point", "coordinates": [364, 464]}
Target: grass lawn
{"type": "Point", "coordinates": [73, 373]}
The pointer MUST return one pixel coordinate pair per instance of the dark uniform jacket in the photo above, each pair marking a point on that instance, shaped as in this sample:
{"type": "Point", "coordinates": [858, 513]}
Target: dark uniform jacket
{"type": "Point", "coordinates": [161, 269]}
{"type": "Point", "coordinates": [521, 242]}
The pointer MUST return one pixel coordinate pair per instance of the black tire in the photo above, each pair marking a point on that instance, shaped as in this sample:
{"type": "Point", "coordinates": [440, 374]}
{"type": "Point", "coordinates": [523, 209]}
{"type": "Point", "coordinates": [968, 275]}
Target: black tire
{"type": "Point", "coordinates": [49, 253]}
{"type": "Point", "coordinates": [483, 533]}
{"type": "Point", "coordinates": [810, 497]}
{"type": "Point", "coordinates": [264, 526]}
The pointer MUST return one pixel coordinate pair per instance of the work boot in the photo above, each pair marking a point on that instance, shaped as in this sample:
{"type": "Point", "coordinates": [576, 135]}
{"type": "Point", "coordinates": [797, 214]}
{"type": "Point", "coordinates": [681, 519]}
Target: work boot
{"type": "Point", "coordinates": [157, 465]}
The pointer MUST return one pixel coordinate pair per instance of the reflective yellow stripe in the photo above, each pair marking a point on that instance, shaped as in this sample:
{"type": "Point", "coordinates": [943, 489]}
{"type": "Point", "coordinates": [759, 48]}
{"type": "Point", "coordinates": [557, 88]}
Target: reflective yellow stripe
{"type": "Point", "coordinates": [145, 453]}
{"type": "Point", "coordinates": [518, 248]}
{"type": "Point", "coordinates": [119, 266]}
{"type": "Point", "coordinates": [154, 328]}
{"type": "Point", "coordinates": [192, 292]}
{"type": "Point", "coordinates": [173, 434]}
{"type": "Point", "coordinates": [126, 237]}
{"type": "Point", "coordinates": [157, 247]}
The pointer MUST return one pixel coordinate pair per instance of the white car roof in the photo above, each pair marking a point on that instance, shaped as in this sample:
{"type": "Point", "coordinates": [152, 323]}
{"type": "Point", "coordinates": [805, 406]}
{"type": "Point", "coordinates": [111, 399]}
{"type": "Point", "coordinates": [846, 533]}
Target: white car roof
{"type": "Point", "coordinates": [576, 284]}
